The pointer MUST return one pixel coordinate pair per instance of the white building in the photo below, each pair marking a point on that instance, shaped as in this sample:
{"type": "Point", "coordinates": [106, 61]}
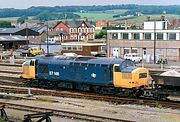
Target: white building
{"type": "Point", "coordinates": [165, 43]}
{"type": "Point", "coordinates": [158, 25]}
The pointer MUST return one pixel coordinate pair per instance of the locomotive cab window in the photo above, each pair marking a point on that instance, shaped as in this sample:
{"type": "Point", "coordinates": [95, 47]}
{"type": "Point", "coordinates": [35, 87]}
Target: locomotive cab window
{"type": "Point", "coordinates": [126, 64]}
{"type": "Point", "coordinates": [116, 69]}
{"type": "Point", "coordinates": [32, 63]}
{"type": "Point", "coordinates": [27, 63]}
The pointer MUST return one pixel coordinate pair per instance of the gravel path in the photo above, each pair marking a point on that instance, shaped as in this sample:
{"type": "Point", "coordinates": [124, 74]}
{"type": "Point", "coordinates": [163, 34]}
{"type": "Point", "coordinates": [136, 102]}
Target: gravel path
{"type": "Point", "coordinates": [129, 112]}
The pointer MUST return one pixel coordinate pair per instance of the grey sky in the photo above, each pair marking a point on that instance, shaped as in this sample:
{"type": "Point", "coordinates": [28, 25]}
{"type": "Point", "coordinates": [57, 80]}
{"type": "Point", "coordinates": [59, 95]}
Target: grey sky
{"type": "Point", "coordinates": [29, 3]}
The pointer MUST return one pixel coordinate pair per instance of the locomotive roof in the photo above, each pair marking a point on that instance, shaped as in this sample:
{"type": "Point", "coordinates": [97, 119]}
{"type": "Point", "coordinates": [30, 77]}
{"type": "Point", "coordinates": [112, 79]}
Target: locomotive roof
{"type": "Point", "coordinates": [65, 60]}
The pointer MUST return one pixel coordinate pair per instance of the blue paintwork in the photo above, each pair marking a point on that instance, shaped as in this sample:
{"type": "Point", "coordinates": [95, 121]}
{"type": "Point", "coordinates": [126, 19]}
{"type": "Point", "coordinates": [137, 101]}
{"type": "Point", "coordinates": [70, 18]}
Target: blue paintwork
{"type": "Point", "coordinates": [91, 70]}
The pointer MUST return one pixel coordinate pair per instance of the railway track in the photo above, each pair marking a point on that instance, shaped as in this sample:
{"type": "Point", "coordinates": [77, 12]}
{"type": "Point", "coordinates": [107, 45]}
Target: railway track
{"type": "Point", "coordinates": [91, 96]}
{"type": "Point", "coordinates": [22, 89]}
{"type": "Point", "coordinates": [10, 72]}
{"type": "Point", "coordinates": [64, 113]}
{"type": "Point", "coordinates": [11, 65]}
{"type": "Point", "coordinates": [12, 81]}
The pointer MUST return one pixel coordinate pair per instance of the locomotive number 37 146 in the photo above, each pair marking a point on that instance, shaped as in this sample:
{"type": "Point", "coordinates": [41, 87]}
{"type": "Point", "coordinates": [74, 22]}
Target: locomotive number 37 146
{"type": "Point", "coordinates": [54, 73]}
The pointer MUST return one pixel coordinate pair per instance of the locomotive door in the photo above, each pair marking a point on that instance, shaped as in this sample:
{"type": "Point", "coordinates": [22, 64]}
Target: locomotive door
{"type": "Point", "coordinates": [116, 75]}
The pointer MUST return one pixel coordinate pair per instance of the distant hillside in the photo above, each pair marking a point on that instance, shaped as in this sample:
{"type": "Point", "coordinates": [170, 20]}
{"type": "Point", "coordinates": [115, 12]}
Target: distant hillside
{"type": "Point", "coordinates": [68, 11]}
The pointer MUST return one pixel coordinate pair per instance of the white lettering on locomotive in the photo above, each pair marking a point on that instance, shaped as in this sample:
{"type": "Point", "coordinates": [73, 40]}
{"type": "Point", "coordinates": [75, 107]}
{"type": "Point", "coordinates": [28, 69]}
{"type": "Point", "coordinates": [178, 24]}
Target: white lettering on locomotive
{"type": "Point", "coordinates": [53, 73]}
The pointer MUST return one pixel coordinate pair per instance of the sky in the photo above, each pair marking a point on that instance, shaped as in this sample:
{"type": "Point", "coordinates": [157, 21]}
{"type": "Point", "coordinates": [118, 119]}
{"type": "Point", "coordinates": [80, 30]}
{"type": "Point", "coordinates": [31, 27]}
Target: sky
{"type": "Point", "coordinates": [20, 4]}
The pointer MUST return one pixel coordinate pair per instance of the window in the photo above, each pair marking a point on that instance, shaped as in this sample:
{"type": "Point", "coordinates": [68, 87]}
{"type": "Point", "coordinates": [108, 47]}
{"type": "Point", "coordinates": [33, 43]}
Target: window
{"type": "Point", "coordinates": [69, 48]}
{"type": "Point", "coordinates": [75, 30]}
{"type": "Point", "coordinates": [172, 36]}
{"type": "Point", "coordinates": [71, 30]}
{"type": "Point", "coordinates": [64, 47]}
{"type": "Point", "coordinates": [114, 36]}
{"type": "Point", "coordinates": [74, 48]}
{"type": "Point", "coordinates": [147, 36]}
{"type": "Point", "coordinates": [31, 63]}
{"type": "Point", "coordinates": [125, 35]}
{"type": "Point", "coordinates": [159, 36]}
{"type": "Point", "coordinates": [79, 48]}
{"type": "Point", "coordinates": [126, 64]}
{"type": "Point", "coordinates": [136, 36]}
{"type": "Point", "coordinates": [126, 51]}
{"type": "Point", "coordinates": [164, 25]}
{"type": "Point", "coordinates": [134, 51]}
{"type": "Point", "coordinates": [92, 36]}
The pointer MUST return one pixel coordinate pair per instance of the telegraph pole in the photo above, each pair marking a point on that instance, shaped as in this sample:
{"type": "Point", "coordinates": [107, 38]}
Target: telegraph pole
{"type": "Point", "coordinates": [47, 40]}
{"type": "Point", "coordinates": [154, 41]}
{"type": "Point", "coordinates": [107, 41]}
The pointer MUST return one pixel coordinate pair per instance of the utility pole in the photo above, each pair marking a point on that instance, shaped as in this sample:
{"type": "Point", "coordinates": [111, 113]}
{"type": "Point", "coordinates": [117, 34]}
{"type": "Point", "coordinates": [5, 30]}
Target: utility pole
{"type": "Point", "coordinates": [154, 41]}
{"type": "Point", "coordinates": [47, 40]}
{"type": "Point", "coordinates": [107, 41]}
{"type": "Point", "coordinates": [27, 32]}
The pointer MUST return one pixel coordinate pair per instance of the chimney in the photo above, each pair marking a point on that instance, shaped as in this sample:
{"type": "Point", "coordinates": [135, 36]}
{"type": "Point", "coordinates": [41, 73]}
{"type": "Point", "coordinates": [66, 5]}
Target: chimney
{"type": "Point", "coordinates": [86, 19]}
{"type": "Point", "coordinates": [162, 18]}
{"type": "Point", "coordinates": [66, 21]}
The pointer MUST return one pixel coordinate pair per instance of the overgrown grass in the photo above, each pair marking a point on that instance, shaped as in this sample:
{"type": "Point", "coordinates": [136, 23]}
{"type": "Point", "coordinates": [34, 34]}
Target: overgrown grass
{"type": "Point", "coordinates": [158, 105]}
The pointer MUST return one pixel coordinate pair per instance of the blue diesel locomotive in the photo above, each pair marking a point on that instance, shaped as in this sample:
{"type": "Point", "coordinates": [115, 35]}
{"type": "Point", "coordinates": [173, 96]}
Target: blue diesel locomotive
{"type": "Point", "coordinates": [107, 75]}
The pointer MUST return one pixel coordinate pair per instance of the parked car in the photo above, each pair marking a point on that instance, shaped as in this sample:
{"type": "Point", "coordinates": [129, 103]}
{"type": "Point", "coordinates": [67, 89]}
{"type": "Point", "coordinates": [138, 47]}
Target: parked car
{"type": "Point", "coordinates": [133, 57]}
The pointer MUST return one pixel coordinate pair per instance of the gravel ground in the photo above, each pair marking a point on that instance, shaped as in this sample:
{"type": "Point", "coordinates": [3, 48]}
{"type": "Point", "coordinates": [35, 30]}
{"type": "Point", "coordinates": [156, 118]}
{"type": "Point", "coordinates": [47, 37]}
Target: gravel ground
{"type": "Point", "coordinates": [128, 112]}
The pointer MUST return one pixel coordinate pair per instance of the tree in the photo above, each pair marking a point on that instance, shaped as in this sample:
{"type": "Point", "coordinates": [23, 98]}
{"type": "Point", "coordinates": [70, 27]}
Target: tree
{"type": "Point", "coordinates": [22, 19]}
{"type": "Point", "coordinates": [101, 34]}
{"type": "Point", "coordinates": [5, 24]}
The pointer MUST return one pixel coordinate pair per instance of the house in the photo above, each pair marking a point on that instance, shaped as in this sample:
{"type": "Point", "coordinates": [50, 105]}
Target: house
{"type": "Point", "coordinates": [76, 30]}
{"type": "Point", "coordinates": [53, 36]}
{"type": "Point", "coordinates": [100, 25]}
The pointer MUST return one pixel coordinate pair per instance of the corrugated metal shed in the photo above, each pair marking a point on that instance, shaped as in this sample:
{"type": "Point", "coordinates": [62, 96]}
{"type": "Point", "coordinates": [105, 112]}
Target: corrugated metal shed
{"type": "Point", "coordinates": [13, 38]}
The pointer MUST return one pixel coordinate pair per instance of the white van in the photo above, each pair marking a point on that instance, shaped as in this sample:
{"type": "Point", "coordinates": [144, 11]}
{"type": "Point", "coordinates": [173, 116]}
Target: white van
{"type": "Point", "coordinates": [133, 57]}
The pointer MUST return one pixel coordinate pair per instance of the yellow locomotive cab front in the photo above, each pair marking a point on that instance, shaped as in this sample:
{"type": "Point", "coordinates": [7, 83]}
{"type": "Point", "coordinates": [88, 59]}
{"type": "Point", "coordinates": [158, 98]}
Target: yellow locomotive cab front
{"type": "Point", "coordinates": [28, 69]}
{"type": "Point", "coordinates": [130, 79]}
